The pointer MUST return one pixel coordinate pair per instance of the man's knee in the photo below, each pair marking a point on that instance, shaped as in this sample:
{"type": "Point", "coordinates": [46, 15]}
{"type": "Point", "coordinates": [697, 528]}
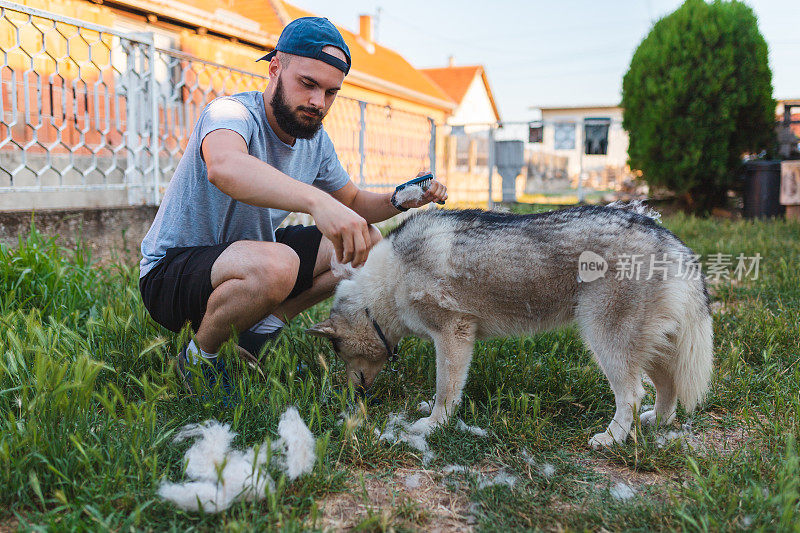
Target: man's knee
{"type": "Point", "coordinates": [277, 270]}
{"type": "Point", "coordinates": [270, 269]}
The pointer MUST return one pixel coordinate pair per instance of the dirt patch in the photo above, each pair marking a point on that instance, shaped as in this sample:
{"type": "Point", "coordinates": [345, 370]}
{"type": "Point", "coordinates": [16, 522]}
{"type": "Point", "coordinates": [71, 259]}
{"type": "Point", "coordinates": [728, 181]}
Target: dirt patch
{"type": "Point", "coordinates": [717, 439]}
{"type": "Point", "coordinates": [414, 497]}
{"type": "Point", "coordinates": [720, 439]}
{"type": "Point", "coordinates": [617, 473]}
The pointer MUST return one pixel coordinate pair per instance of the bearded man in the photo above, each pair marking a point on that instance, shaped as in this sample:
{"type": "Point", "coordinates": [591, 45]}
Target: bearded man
{"type": "Point", "coordinates": [215, 256]}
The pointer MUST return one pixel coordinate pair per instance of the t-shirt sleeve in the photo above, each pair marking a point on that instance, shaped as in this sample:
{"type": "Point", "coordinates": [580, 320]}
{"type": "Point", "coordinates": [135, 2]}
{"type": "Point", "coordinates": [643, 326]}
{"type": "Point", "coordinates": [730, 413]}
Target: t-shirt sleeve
{"type": "Point", "coordinates": [332, 176]}
{"type": "Point", "coordinates": [227, 114]}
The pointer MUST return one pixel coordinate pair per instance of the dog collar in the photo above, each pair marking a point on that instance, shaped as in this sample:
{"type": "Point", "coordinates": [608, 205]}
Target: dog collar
{"type": "Point", "coordinates": [391, 352]}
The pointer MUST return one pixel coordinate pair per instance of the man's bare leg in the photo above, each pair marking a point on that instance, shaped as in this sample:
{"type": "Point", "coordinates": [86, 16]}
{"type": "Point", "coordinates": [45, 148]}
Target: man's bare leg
{"type": "Point", "coordinates": [250, 279]}
{"type": "Point", "coordinates": [322, 287]}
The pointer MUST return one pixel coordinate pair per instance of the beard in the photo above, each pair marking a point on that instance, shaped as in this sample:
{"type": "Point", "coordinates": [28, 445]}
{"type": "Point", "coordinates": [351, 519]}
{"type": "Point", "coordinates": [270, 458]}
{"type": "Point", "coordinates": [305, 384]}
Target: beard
{"type": "Point", "coordinates": [291, 121]}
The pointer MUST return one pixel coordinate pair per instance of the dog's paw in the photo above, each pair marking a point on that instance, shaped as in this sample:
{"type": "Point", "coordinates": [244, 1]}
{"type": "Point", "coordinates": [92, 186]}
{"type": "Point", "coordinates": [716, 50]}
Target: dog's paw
{"type": "Point", "coordinates": [601, 440]}
{"type": "Point", "coordinates": [650, 418]}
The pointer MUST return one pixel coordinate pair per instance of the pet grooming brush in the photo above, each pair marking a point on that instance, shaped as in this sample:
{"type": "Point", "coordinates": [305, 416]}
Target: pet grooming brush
{"type": "Point", "coordinates": [423, 182]}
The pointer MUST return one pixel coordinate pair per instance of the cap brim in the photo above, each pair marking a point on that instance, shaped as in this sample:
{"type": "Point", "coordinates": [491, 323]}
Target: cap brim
{"type": "Point", "coordinates": [268, 56]}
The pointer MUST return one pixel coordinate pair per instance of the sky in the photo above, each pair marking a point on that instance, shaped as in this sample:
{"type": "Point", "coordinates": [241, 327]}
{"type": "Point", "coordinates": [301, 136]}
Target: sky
{"type": "Point", "coordinates": [547, 53]}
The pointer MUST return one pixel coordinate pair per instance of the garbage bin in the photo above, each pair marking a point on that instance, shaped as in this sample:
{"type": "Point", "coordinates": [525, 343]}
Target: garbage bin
{"type": "Point", "coordinates": [762, 187]}
{"type": "Point", "coordinates": [509, 157]}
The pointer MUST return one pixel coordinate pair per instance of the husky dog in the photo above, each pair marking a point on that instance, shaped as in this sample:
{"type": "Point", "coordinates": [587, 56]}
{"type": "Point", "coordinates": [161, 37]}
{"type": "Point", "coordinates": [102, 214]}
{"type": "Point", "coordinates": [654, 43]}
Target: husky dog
{"type": "Point", "coordinates": [633, 288]}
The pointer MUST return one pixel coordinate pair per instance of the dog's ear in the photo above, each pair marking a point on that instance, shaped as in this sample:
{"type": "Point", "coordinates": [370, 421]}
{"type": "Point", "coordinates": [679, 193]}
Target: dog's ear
{"type": "Point", "coordinates": [324, 329]}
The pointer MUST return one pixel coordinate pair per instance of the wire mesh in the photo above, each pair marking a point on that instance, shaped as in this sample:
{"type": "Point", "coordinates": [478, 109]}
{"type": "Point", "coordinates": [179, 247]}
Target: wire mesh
{"type": "Point", "coordinates": [87, 108]}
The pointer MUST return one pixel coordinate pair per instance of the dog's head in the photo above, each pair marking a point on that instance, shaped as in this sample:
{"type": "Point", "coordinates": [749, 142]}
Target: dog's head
{"type": "Point", "coordinates": [355, 340]}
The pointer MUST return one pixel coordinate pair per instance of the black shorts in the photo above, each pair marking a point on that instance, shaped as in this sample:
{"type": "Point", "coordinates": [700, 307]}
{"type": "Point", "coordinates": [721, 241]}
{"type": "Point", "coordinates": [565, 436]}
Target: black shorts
{"type": "Point", "coordinates": [177, 288]}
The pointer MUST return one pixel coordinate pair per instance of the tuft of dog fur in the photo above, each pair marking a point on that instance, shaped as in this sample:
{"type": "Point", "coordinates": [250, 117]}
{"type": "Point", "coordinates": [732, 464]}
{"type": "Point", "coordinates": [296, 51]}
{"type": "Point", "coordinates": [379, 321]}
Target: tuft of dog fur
{"type": "Point", "coordinates": [298, 444]}
{"type": "Point", "coordinates": [412, 192]}
{"type": "Point", "coordinates": [218, 475]}
{"type": "Point", "coordinates": [637, 206]}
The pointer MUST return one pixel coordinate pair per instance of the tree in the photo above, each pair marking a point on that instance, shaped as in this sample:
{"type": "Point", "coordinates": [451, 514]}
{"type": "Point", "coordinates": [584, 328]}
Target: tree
{"type": "Point", "coordinates": [698, 95]}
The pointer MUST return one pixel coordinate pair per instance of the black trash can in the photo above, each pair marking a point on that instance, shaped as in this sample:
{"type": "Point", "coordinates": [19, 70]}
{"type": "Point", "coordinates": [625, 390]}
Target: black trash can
{"type": "Point", "coordinates": [762, 188]}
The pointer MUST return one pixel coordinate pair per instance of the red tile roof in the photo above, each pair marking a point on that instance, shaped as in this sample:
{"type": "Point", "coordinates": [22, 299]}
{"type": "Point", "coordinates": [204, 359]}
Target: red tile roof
{"type": "Point", "coordinates": [259, 22]}
{"type": "Point", "coordinates": [455, 81]}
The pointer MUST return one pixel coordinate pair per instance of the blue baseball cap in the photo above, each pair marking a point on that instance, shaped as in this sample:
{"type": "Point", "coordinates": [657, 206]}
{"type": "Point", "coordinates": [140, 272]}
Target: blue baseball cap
{"type": "Point", "coordinates": [307, 36]}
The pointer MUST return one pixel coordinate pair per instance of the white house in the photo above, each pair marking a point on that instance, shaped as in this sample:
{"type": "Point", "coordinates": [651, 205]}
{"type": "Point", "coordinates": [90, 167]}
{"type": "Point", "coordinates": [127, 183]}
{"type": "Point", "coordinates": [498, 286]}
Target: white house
{"type": "Point", "coordinates": [592, 140]}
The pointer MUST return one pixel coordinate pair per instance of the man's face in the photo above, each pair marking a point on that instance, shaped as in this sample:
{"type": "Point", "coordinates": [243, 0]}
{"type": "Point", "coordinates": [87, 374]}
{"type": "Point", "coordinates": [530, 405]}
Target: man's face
{"type": "Point", "coordinates": [305, 89]}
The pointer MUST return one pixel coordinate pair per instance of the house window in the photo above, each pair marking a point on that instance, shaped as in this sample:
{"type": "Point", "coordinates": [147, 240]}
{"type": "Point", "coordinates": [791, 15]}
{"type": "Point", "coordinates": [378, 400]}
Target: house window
{"type": "Point", "coordinates": [564, 135]}
{"type": "Point", "coordinates": [535, 133]}
{"type": "Point", "coordinates": [596, 135]}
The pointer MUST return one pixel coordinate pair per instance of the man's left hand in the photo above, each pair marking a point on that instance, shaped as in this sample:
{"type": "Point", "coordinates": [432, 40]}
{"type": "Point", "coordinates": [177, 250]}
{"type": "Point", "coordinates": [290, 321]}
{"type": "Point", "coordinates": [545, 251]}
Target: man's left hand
{"type": "Point", "coordinates": [436, 192]}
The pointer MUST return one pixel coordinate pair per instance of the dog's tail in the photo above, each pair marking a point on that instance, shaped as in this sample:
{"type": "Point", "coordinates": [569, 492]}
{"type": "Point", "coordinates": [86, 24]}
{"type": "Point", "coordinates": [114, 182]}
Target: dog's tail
{"type": "Point", "coordinates": [694, 346]}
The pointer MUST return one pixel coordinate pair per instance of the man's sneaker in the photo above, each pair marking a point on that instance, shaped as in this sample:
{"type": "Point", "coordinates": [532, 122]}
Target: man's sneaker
{"type": "Point", "coordinates": [254, 342]}
{"type": "Point", "coordinates": [204, 383]}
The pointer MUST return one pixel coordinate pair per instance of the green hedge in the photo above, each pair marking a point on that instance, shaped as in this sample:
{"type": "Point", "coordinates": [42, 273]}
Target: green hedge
{"type": "Point", "coordinates": [697, 95]}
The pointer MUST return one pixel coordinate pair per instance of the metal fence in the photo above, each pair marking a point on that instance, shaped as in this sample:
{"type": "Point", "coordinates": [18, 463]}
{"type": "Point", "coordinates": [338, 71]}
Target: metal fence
{"type": "Point", "coordinates": [104, 116]}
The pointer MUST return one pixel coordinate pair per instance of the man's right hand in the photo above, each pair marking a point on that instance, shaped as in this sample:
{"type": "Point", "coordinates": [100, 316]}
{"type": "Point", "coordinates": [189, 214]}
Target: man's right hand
{"type": "Point", "coordinates": [346, 229]}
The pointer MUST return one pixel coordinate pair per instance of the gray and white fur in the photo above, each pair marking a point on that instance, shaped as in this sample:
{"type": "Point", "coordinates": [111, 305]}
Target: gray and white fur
{"type": "Point", "coordinates": [456, 276]}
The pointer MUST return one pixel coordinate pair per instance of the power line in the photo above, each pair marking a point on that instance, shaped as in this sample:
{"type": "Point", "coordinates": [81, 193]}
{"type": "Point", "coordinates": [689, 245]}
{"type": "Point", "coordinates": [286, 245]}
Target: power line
{"type": "Point", "coordinates": [471, 42]}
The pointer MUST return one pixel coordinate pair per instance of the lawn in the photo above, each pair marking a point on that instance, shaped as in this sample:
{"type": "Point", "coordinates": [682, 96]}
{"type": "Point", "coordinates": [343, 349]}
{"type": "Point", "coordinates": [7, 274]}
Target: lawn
{"type": "Point", "coordinates": [89, 406]}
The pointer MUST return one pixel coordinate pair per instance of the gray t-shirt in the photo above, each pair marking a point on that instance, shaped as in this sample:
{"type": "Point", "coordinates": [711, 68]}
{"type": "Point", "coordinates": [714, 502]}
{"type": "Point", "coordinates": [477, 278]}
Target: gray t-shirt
{"type": "Point", "coordinates": [194, 212]}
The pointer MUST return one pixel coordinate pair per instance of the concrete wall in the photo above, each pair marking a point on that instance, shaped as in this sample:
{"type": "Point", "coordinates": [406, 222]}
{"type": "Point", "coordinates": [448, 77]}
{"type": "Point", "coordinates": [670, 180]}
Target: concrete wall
{"type": "Point", "coordinates": [111, 234]}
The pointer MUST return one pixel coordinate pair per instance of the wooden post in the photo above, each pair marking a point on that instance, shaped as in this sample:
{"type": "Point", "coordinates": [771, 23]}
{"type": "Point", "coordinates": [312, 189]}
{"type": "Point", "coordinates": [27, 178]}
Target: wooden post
{"type": "Point", "coordinates": [472, 160]}
{"type": "Point", "coordinates": [452, 153]}
{"type": "Point", "coordinates": [790, 188]}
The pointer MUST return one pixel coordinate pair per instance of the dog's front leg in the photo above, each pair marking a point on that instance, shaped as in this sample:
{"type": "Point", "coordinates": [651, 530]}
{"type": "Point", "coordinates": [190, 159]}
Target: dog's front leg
{"type": "Point", "coordinates": [454, 347]}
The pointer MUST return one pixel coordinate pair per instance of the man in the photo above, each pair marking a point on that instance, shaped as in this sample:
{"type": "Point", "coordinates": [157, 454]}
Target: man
{"type": "Point", "coordinates": [214, 256]}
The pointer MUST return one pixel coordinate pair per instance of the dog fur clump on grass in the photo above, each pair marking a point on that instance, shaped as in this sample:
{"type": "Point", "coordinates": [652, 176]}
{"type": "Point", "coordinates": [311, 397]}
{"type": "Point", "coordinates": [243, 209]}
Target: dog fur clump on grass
{"type": "Point", "coordinates": [457, 276]}
{"type": "Point", "coordinates": [219, 475]}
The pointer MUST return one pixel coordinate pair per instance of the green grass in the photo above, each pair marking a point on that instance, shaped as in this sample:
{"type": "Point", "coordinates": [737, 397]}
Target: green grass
{"type": "Point", "coordinates": [88, 409]}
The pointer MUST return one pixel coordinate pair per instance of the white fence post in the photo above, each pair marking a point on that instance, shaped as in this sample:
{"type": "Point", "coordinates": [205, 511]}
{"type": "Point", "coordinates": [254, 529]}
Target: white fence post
{"type": "Point", "coordinates": [490, 163]}
{"type": "Point", "coordinates": [155, 130]}
{"type": "Point", "coordinates": [432, 146]}
{"type": "Point", "coordinates": [131, 83]}
{"type": "Point", "coordinates": [361, 144]}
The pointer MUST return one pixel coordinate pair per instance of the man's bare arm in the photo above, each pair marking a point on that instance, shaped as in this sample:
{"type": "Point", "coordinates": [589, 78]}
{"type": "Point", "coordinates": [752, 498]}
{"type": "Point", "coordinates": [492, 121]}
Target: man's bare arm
{"type": "Point", "coordinates": [248, 179]}
{"type": "Point", "coordinates": [376, 207]}
{"type": "Point", "coordinates": [232, 170]}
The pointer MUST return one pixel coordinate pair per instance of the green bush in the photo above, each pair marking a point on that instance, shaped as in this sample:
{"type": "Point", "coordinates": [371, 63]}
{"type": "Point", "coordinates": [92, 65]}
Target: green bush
{"type": "Point", "coordinates": [697, 96]}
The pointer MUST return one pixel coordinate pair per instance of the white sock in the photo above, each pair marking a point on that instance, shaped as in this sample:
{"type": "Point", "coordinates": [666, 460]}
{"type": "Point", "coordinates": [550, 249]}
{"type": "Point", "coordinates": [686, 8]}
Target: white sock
{"type": "Point", "coordinates": [266, 325]}
{"type": "Point", "coordinates": [195, 352]}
